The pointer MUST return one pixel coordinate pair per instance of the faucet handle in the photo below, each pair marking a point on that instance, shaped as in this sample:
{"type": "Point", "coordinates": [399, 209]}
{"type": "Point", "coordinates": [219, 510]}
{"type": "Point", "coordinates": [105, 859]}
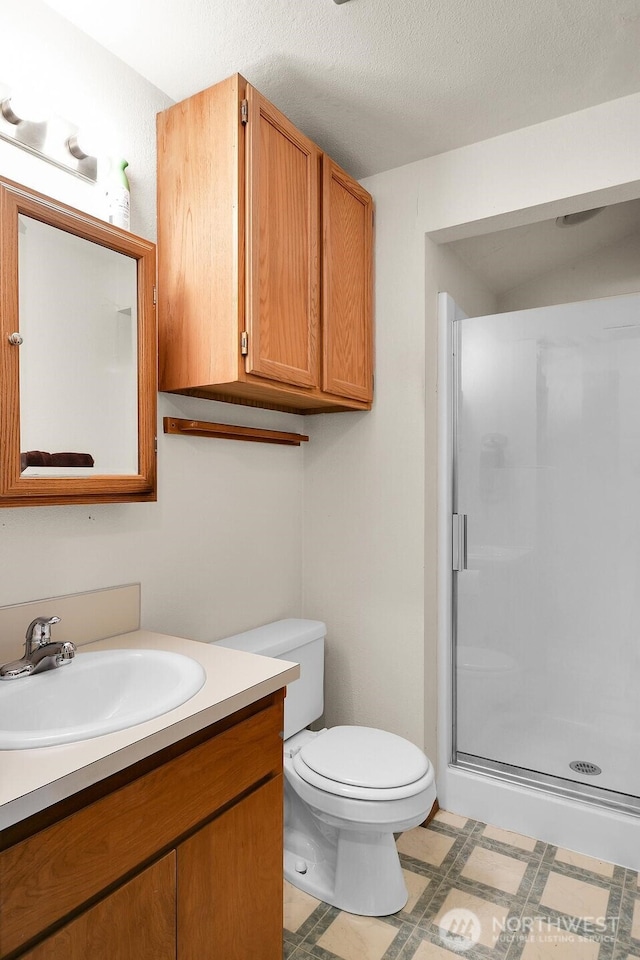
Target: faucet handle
{"type": "Point", "coordinates": [66, 654]}
{"type": "Point", "coordinates": [39, 631]}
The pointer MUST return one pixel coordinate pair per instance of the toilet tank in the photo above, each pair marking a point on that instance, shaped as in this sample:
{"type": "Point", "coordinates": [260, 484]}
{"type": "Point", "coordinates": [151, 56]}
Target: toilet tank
{"type": "Point", "coordinates": [301, 641]}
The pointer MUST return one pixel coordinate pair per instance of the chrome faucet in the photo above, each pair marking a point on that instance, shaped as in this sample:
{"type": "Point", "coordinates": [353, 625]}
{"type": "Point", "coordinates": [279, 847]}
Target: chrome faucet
{"type": "Point", "coordinates": [40, 653]}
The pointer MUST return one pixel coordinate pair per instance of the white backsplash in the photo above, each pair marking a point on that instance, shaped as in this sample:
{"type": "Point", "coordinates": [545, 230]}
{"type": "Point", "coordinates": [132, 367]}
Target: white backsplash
{"type": "Point", "coordinates": [84, 617]}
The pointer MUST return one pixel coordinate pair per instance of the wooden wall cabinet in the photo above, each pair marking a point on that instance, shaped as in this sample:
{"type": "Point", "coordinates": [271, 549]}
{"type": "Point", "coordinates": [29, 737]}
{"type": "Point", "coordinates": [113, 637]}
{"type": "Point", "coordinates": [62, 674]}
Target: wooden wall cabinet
{"type": "Point", "coordinates": [177, 858]}
{"type": "Point", "coordinates": [265, 259]}
{"type": "Point", "coordinates": [78, 383]}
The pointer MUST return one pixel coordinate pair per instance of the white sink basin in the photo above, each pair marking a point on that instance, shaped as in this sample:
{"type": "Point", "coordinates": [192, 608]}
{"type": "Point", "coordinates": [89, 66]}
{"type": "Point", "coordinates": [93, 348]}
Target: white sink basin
{"type": "Point", "coordinates": [95, 694]}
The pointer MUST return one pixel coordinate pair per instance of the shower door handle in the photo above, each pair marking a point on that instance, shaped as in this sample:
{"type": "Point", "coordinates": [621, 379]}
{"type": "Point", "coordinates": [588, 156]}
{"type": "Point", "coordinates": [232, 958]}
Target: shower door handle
{"type": "Point", "coordinates": [459, 541]}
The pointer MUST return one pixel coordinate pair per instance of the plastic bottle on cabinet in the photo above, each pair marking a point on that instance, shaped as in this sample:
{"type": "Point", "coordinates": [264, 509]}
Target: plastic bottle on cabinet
{"type": "Point", "coordinates": [118, 196]}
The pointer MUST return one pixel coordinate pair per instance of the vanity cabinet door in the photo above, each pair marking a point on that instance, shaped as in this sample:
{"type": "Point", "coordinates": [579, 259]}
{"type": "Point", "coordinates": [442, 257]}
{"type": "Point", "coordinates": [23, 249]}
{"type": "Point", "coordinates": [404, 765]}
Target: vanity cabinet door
{"type": "Point", "coordinates": [230, 882]}
{"type": "Point", "coordinates": [137, 922]}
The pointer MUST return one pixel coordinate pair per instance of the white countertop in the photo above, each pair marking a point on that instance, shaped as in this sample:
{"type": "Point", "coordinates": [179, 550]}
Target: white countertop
{"type": "Point", "coordinates": [32, 780]}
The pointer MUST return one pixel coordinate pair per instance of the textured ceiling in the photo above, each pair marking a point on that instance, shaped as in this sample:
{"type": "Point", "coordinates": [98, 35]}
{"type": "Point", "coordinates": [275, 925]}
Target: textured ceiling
{"type": "Point", "coordinates": [508, 258]}
{"type": "Point", "coordinates": [380, 83]}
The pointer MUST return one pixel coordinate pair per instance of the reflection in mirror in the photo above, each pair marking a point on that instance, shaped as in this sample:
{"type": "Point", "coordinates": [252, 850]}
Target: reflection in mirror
{"type": "Point", "coordinates": [78, 299]}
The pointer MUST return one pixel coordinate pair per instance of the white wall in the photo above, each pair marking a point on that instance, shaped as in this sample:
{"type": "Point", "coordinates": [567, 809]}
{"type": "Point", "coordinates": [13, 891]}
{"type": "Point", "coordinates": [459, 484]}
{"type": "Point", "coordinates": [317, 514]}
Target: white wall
{"type": "Point", "coordinates": [364, 507]}
{"type": "Point", "coordinates": [221, 549]}
{"type": "Point", "coordinates": [610, 272]}
{"type": "Point", "coordinates": [370, 497]}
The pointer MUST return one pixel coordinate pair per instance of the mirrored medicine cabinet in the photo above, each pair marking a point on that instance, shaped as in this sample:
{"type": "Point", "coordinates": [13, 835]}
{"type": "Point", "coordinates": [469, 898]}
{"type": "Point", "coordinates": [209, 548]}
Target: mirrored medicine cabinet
{"type": "Point", "coordinates": [77, 356]}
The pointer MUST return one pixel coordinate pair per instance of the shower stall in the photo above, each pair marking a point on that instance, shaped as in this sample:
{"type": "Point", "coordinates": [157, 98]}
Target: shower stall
{"type": "Point", "coordinates": [542, 673]}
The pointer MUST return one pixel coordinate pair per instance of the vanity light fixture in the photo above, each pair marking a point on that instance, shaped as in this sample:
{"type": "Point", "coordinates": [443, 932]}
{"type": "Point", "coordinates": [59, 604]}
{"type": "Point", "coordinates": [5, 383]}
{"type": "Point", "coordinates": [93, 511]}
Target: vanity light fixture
{"type": "Point", "coordinates": [23, 110]}
{"type": "Point", "coordinates": [77, 148]}
{"type": "Point", "coordinates": [30, 126]}
{"type": "Point", "coordinates": [86, 143]}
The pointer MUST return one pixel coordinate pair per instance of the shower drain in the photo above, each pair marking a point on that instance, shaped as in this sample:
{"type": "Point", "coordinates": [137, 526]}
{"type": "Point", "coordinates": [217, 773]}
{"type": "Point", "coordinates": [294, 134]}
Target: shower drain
{"type": "Point", "coordinates": [584, 766]}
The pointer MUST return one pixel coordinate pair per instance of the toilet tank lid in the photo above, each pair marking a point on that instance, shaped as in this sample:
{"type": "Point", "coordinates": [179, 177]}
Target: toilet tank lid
{"type": "Point", "coordinates": [276, 639]}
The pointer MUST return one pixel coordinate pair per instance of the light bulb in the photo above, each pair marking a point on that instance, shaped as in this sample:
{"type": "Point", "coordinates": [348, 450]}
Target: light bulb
{"type": "Point", "coordinates": [22, 108]}
{"type": "Point", "coordinates": [86, 143]}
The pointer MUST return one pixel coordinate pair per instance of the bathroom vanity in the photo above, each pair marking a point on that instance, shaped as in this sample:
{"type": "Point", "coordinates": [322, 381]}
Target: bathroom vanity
{"type": "Point", "coordinates": [151, 843]}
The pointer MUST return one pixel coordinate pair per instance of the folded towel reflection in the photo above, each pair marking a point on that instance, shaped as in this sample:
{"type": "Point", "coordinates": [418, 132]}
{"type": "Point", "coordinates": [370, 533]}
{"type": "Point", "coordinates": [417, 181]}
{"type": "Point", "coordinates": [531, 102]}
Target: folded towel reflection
{"type": "Point", "coordinates": [39, 458]}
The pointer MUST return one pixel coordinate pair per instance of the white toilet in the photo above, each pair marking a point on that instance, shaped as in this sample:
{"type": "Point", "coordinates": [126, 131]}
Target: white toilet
{"type": "Point", "coordinates": [347, 789]}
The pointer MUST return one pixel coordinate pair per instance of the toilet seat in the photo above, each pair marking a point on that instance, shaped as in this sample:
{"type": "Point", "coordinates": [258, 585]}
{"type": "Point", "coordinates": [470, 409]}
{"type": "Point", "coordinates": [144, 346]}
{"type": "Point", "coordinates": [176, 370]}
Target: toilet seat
{"type": "Point", "coordinates": [363, 763]}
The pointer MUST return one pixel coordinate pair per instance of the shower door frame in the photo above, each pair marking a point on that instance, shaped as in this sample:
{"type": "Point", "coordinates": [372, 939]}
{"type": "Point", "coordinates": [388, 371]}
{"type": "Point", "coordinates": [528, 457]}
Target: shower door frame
{"type": "Point", "coordinates": [449, 315]}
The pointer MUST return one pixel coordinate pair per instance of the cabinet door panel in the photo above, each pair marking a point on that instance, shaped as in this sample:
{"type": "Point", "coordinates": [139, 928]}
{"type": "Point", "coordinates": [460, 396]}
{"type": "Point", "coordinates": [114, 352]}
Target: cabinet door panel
{"type": "Point", "coordinates": [282, 247]}
{"type": "Point", "coordinates": [230, 883]}
{"type": "Point", "coordinates": [347, 277]}
{"type": "Point", "coordinates": [46, 876]}
{"type": "Point", "coordinates": [137, 922]}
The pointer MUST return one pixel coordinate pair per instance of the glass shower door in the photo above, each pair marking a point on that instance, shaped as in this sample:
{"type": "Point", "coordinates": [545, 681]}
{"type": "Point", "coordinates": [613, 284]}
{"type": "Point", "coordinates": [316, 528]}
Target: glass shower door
{"type": "Point", "coordinates": [547, 473]}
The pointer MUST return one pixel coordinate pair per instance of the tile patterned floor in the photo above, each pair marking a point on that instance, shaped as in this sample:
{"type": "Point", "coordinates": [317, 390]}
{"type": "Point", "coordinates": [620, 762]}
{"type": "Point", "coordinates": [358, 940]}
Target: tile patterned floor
{"type": "Point", "coordinates": [526, 900]}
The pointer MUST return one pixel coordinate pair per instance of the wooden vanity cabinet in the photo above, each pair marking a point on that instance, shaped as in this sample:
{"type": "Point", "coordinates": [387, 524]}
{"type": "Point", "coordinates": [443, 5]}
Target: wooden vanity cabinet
{"type": "Point", "coordinates": [176, 858]}
{"type": "Point", "coordinates": [265, 250]}
{"type": "Point", "coordinates": [233, 908]}
{"type": "Point", "coordinates": [137, 920]}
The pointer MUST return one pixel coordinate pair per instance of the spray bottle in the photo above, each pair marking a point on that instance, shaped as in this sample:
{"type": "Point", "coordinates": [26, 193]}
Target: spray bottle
{"type": "Point", "coordinates": [117, 195]}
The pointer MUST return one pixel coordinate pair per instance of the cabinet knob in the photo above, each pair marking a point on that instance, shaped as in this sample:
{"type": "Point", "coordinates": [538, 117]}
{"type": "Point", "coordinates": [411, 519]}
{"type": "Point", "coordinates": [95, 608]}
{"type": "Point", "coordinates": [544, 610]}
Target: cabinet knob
{"type": "Point", "coordinates": [15, 339]}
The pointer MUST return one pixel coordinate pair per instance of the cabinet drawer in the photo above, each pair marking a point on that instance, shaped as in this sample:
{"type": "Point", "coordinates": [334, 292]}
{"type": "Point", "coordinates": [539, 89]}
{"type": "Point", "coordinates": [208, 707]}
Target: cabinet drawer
{"type": "Point", "coordinates": [54, 872]}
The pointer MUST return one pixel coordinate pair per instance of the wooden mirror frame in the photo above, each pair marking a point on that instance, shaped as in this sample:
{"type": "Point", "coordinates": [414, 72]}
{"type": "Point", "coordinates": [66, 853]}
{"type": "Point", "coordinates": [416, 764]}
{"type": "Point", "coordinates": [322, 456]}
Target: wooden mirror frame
{"type": "Point", "coordinates": [15, 489]}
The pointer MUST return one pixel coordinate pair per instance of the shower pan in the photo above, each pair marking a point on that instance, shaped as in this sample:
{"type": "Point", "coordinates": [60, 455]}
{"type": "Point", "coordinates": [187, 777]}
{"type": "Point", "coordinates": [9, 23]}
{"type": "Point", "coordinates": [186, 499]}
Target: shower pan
{"type": "Point", "coordinates": [545, 618]}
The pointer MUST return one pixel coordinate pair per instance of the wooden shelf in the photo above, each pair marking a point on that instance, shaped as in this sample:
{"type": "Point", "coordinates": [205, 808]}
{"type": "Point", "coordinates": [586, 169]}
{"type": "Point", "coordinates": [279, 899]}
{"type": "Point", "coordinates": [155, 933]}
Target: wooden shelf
{"type": "Point", "coordinates": [228, 431]}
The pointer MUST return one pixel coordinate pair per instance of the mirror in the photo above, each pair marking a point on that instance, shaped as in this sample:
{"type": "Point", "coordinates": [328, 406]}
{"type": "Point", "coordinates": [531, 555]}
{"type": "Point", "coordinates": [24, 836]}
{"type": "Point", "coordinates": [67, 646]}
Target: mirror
{"type": "Point", "coordinates": [78, 356]}
{"type": "Point", "coordinates": [76, 299]}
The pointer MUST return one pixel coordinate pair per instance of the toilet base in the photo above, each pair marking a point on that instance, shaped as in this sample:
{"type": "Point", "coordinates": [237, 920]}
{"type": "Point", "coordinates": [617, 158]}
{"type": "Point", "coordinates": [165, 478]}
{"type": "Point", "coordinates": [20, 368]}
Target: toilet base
{"type": "Point", "coordinates": [356, 872]}
{"type": "Point", "coordinates": [342, 850]}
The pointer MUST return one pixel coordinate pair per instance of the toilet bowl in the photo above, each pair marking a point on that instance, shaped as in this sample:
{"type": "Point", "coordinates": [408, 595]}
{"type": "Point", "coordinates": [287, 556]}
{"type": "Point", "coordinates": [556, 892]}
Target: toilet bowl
{"type": "Point", "coordinates": [348, 789]}
{"type": "Point", "coordinates": [339, 836]}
